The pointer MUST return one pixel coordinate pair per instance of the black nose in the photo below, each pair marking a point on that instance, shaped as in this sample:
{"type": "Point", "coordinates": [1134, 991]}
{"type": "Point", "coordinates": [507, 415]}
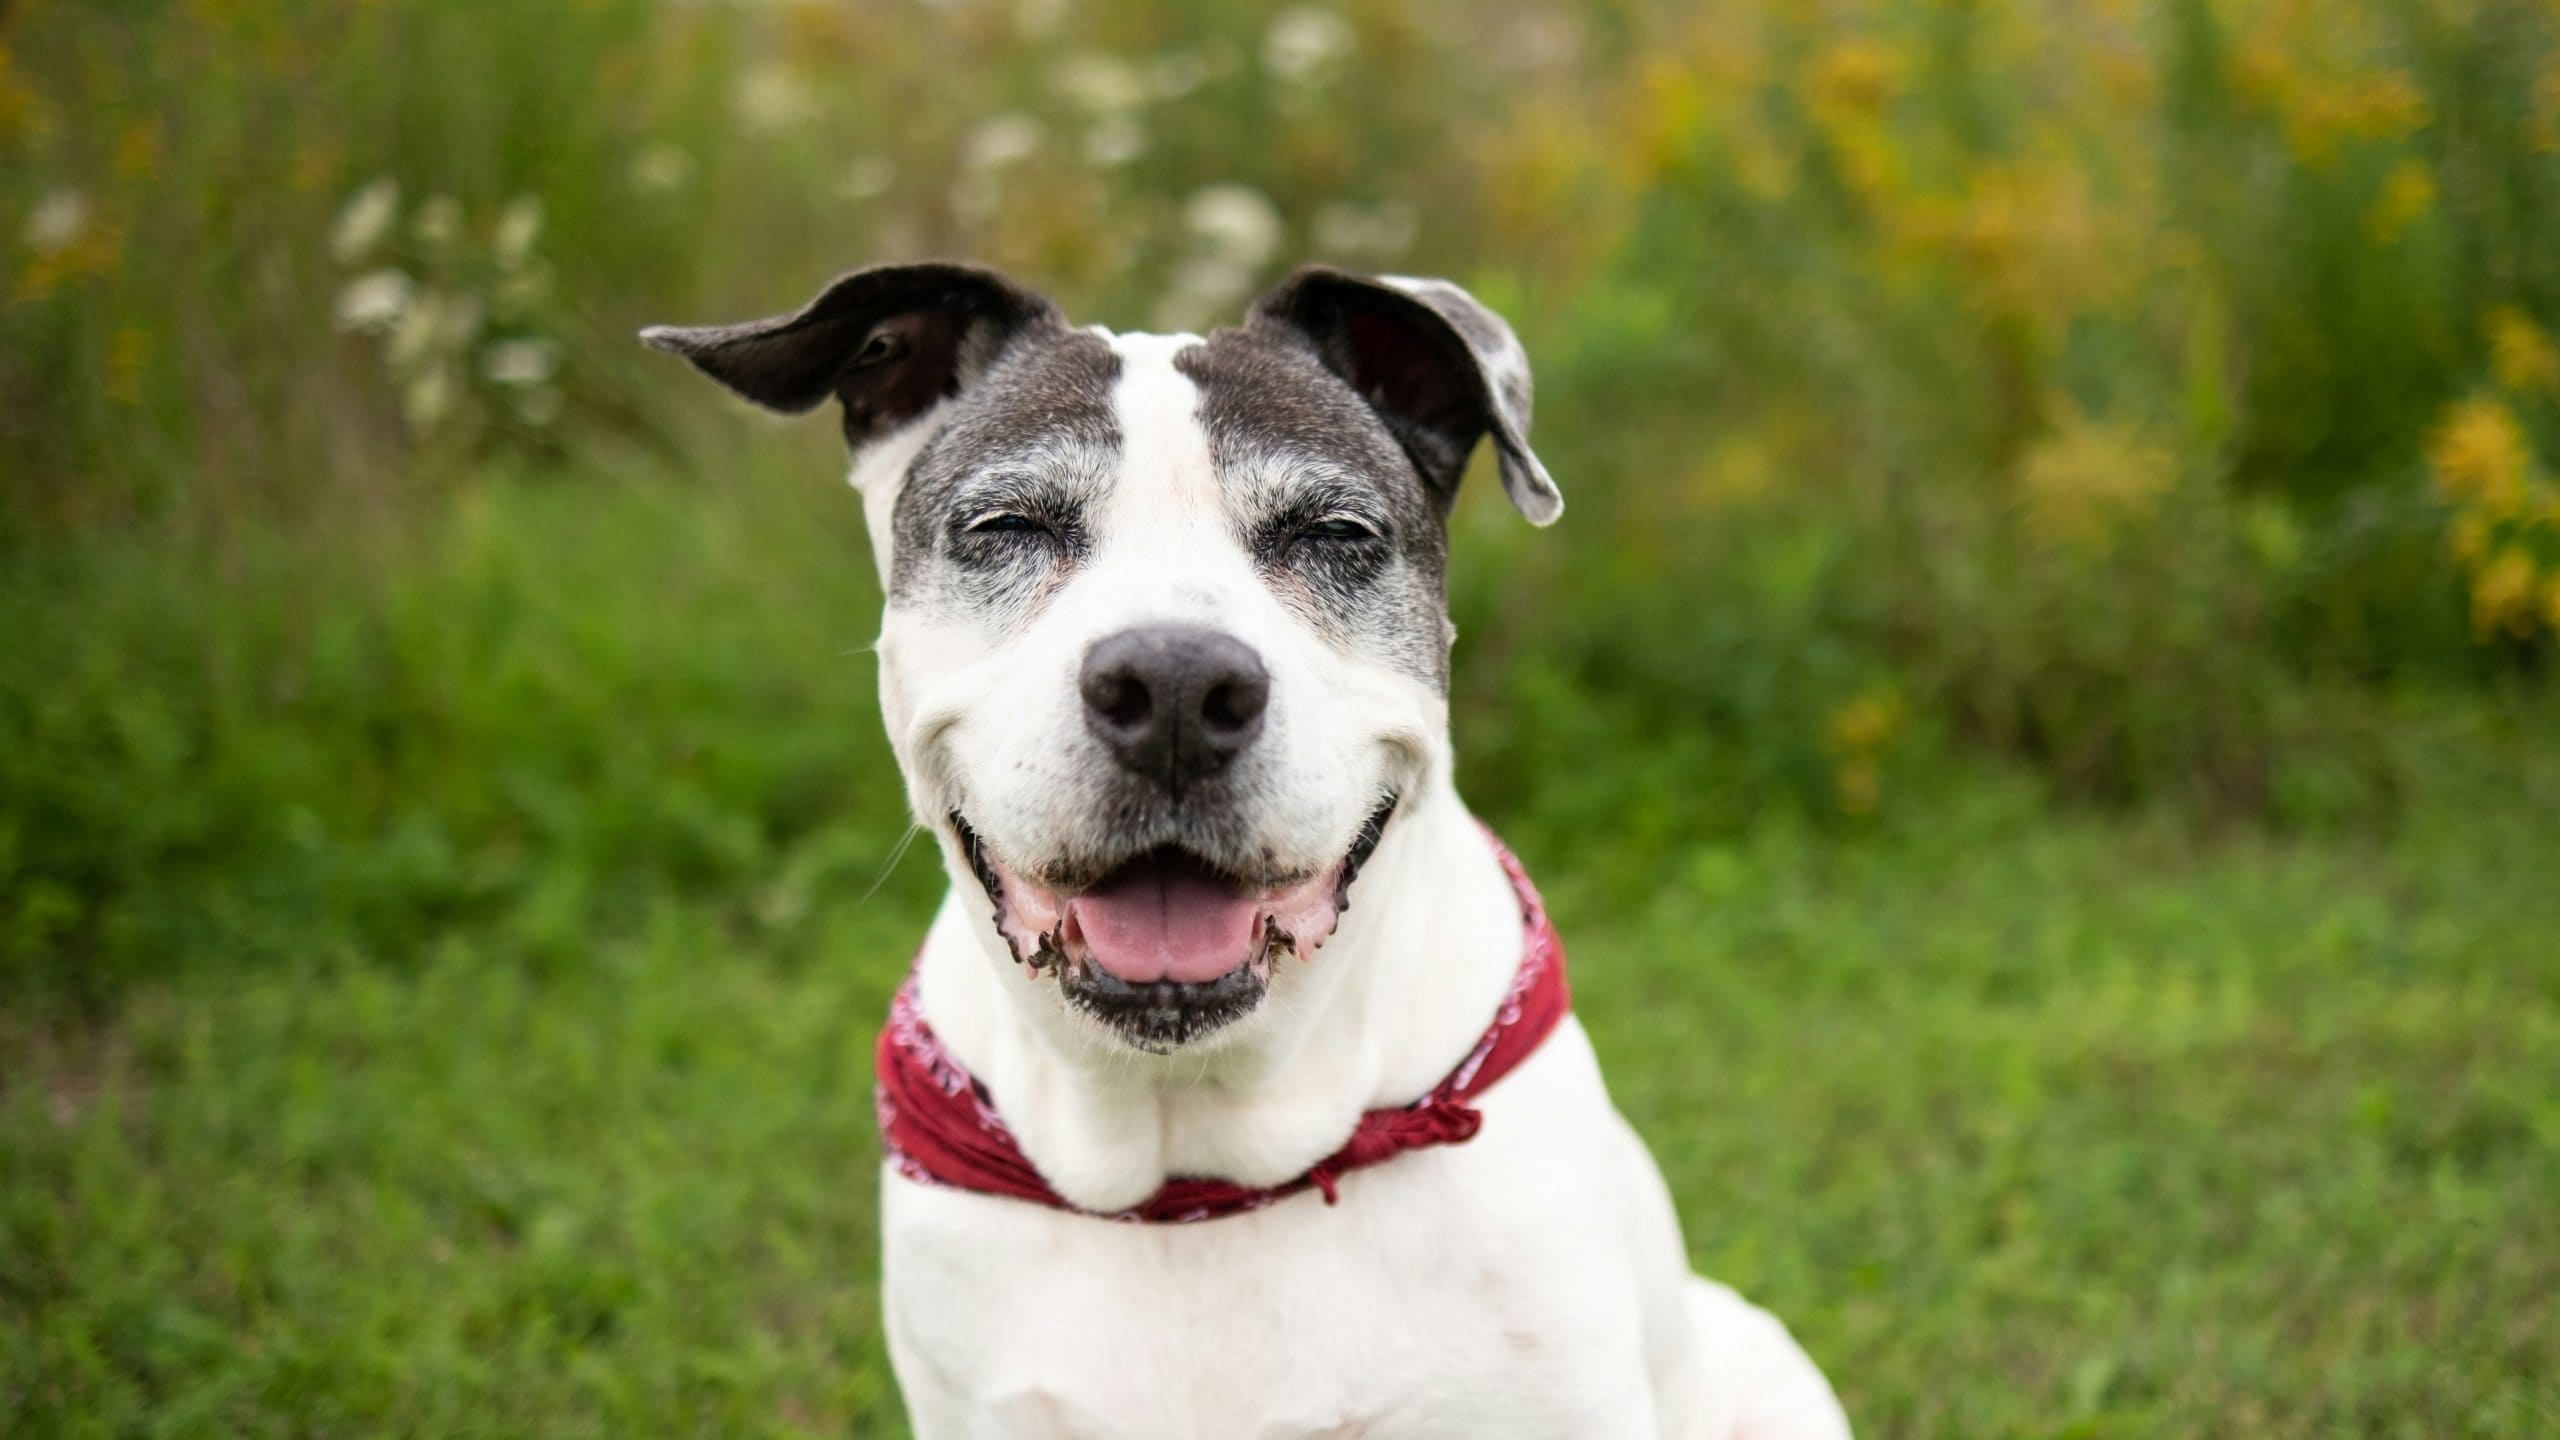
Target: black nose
{"type": "Point", "coordinates": [1174, 702]}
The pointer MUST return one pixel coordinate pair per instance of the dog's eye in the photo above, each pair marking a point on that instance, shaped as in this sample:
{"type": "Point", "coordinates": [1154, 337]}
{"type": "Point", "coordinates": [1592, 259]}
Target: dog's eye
{"type": "Point", "coordinates": [1338, 528]}
{"type": "Point", "coordinates": [1005, 522]}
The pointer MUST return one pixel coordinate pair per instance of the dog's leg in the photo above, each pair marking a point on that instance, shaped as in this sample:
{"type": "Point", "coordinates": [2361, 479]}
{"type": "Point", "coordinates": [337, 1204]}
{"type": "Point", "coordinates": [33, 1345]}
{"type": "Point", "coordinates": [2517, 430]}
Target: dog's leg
{"type": "Point", "coordinates": [1765, 1387]}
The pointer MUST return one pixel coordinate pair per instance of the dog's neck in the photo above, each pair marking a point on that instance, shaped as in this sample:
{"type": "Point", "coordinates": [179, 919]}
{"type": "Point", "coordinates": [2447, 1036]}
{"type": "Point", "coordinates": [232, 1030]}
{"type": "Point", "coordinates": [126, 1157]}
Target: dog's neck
{"type": "Point", "coordinates": [1388, 1006]}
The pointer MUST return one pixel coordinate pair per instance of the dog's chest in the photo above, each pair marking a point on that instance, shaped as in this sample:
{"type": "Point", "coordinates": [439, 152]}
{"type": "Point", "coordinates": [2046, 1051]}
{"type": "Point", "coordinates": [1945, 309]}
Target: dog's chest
{"type": "Point", "coordinates": [1442, 1297]}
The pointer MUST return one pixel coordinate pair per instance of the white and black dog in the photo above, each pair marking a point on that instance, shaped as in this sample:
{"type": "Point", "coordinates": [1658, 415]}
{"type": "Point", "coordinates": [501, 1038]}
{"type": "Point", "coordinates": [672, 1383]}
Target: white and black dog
{"type": "Point", "coordinates": [1165, 663]}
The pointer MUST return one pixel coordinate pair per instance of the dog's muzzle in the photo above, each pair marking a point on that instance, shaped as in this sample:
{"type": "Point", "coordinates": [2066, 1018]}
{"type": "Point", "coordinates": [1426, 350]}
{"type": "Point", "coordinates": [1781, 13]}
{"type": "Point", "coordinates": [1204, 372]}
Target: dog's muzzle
{"type": "Point", "coordinates": [1164, 947]}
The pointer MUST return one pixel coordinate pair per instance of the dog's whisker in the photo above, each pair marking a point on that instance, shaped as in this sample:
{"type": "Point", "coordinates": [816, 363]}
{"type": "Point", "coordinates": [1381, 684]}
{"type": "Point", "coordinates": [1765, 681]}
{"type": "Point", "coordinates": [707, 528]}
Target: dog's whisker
{"type": "Point", "coordinates": [889, 866]}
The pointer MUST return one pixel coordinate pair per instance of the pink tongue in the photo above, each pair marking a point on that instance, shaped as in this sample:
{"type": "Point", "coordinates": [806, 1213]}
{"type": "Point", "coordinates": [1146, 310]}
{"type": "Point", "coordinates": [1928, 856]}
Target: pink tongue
{"type": "Point", "coordinates": [1161, 922]}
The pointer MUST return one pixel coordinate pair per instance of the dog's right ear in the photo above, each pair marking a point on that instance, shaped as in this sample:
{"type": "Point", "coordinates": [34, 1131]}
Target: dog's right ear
{"type": "Point", "coordinates": [890, 342]}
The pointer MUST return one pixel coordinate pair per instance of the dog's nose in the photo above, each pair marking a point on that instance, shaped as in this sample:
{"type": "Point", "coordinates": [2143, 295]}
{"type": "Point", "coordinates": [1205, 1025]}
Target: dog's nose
{"type": "Point", "coordinates": [1174, 702]}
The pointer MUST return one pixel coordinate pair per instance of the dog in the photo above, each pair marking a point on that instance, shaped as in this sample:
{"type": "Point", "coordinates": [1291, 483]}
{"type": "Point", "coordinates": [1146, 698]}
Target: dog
{"type": "Point", "coordinates": [1164, 659]}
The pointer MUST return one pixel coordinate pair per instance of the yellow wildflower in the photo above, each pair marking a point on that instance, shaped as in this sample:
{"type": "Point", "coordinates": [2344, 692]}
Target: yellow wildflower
{"type": "Point", "coordinates": [1855, 78]}
{"type": "Point", "coordinates": [1868, 723]}
{"type": "Point", "coordinates": [2032, 238]}
{"type": "Point", "coordinates": [2087, 476]}
{"type": "Point", "coordinates": [2306, 66]}
{"type": "Point", "coordinates": [2385, 105]}
{"type": "Point", "coordinates": [1857, 736]}
{"type": "Point", "coordinates": [2264, 74]}
{"type": "Point", "coordinates": [2520, 354]}
{"type": "Point", "coordinates": [2478, 455]}
{"type": "Point", "coordinates": [1668, 116]}
{"type": "Point", "coordinates": [1742, 465]}
{"type": "Point", "coordinates": [2407, 193]}
{"type": "Point", "coordinates": [2505, 594]}
{"type": "Point", "coordinates": [2469, 537]}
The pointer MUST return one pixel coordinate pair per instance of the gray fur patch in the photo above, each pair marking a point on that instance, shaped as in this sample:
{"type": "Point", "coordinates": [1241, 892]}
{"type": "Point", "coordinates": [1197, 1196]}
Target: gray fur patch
{"type": "Point", "coordinates": [1295, 446]}
{"type": "Point", "coordinates": [1036, 437]}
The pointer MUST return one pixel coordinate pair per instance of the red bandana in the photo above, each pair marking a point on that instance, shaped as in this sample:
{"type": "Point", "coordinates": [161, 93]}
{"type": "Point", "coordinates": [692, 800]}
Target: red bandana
{"type": "Point", "coordinates": [938, 1125]}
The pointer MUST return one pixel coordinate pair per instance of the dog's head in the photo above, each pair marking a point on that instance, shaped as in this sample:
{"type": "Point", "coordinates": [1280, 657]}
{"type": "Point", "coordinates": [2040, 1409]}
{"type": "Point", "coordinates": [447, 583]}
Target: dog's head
{"type": "Point", "coordinates": [1166, 638]}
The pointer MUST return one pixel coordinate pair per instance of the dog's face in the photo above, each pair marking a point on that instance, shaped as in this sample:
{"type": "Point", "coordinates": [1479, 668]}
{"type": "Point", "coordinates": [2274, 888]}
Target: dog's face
{"type": "Point", "coordinates": [1165, 640]}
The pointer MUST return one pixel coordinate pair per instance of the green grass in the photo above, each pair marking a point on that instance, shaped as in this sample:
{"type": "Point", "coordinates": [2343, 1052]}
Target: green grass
{"type": "Point", "coordinates": [443, 957]}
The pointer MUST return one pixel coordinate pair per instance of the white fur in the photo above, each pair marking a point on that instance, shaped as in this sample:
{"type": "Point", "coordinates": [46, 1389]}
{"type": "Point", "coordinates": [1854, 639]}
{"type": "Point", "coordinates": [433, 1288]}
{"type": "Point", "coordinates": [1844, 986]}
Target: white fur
{"type": "Point", "coordinates": [1528, 1283]}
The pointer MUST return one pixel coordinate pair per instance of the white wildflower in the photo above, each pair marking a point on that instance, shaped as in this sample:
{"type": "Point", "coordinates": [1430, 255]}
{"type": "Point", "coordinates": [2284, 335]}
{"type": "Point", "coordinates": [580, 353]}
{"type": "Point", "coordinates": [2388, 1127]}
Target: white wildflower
{"type": "Point", "coordinates": [1234, 223]}
{"type": "Point", "coordinates": [520, 363]}
{"type": "Point", "coordinates": [416, 335]}
{"type": "Point", "coordinates": [366, 221]}
{"type": "Point", "coordinates": [427, 399]}
{"type": "Point", "coordinates": [1211, 278]}
{"type": "Point", "coordinates": [868, 178]}
{"type": "Point", "coordinates": [1304, 42]}
{"type": "Point", "coordinates": [519, 226]}
{"type": "Point", "coordinates": [1541, 41]}
{"type": "Point", "coordinates": [1115, 140]}
{"type": "Point", "coordinates": [57, 222]}
{"type": "Point", "coordinates": [375, 300]}
{"type": "Point", "coordinates": [1379, 232]}
{"type": "Point", "coordinates": [661, 168]}
{"type": "Point", "coordinates": [1097, 82]}
{"type": "Point", "coordinates": [773, 100]}
{"type": "Point", "coordinates": [1039, 19]}
{"type": "Point", "coordinates": [1000, 140]}
{"type": "Point", "coordinates": [438, 324]}
{"type": "Point", "coordinates": [439, 223]}
{"type": "Point", "coordinates": [1202, 287]}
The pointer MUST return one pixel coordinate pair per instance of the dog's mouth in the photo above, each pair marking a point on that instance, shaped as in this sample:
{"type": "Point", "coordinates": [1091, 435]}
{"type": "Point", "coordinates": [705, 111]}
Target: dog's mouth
{"type": "Point", "coordinates": [1165, 946]}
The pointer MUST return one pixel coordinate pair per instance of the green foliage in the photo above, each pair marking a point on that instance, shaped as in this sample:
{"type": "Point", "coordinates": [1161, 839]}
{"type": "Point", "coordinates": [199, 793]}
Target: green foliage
{"type": "Point", "coordinates": [449, 862]}
{"type": "Point", "coordinates": [2094, 355]}
{"type": "Point", "coordinates": [342, 744]}
{"type": "Point", "coordinates": [442, 961]}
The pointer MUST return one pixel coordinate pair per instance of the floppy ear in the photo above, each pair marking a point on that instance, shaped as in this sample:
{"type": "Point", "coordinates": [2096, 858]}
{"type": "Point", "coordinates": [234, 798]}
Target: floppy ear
{"type": "Point", "coordinates": [1441, 369]}
{"type": "Point", "coordinates": [890, 342]}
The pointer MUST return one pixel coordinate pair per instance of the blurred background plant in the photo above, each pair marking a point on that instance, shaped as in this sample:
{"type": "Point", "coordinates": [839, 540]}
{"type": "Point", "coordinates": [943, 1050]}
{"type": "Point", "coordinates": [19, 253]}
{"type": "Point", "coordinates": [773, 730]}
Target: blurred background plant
{"type": "Point", "coordinates": [2078, 372]}
{"type": "Point", "coordinates": [2148, 407]}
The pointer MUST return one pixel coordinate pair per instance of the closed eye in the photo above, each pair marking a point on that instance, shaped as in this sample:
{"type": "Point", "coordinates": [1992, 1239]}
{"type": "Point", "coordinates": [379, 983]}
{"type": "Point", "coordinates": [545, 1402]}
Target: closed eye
{"type": "Point", "coordinates": [1001, 522]}
{"type": "Point", "coordinates": [1337, 528]}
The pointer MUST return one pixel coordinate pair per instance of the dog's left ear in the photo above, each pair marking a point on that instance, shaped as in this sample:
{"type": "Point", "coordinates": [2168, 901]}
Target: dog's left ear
{"type": "Point", "coordinates": [1441, 369]}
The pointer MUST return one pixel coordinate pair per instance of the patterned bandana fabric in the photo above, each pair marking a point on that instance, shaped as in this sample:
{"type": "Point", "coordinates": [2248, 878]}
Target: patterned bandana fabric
{"type": "Point", "coordinates": [938, 1126]}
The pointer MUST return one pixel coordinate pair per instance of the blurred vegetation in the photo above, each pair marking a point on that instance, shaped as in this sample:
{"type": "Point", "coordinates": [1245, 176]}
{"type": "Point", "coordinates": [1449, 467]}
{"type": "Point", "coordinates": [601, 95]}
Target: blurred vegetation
{"type": "Point", "coordinates": [2145, 394]}
{"type": "Point", "coordinates": [2044, 686]}
{"type": "Point", "coordinates": [2109, 384]}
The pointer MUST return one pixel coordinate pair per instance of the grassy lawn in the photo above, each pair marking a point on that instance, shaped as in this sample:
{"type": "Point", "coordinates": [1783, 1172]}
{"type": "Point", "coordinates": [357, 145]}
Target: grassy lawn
{"type": "Point", "coordinates": [442, 965]}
